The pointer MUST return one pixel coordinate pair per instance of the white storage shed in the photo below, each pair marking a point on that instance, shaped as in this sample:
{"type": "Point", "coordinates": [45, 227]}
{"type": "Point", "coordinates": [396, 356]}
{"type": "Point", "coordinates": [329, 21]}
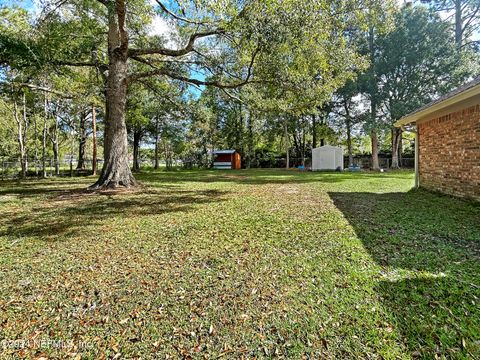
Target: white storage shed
{"type": "Point", "coordinates": [327, 158]}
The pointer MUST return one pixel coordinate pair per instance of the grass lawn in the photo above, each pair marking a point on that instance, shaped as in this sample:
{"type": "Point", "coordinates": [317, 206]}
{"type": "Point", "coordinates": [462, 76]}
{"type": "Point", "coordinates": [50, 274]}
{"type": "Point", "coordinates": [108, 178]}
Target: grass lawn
{"type": "Point", "coordinates": [252, 264]}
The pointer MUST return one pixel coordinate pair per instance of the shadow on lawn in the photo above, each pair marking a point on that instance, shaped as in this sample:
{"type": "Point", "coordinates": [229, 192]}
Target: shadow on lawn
{"type": "Point", "coordinates": [67, 211]}
{"type": "Point", "coordinates": [428, 246]}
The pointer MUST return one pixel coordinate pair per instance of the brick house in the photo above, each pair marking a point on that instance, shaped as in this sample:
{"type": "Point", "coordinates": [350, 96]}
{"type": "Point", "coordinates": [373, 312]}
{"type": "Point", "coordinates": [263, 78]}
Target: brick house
{"type": "Point", "coordinates": [447, 142]}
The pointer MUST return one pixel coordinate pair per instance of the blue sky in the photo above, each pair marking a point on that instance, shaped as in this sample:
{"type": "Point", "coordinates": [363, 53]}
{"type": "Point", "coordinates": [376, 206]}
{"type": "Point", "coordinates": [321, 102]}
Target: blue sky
{"type": "Point", "coordinates": [27, 4]}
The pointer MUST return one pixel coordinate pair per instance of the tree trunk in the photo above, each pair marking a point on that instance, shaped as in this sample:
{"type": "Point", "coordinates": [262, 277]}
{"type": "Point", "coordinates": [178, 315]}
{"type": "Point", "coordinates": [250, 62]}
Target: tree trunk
{"type": "Point", "coordinates": [116, 171]}
{"type": "Point", "coordinates": [296, 142]}
{"type": "Point", "coordinates": [322, 140]}
{"type": "Point", "coordinates": [250, 152]}
{"type": "Point", "coordinates": [168, 157]}
{"type": "Point", "coordinates": [25, 134]}
{"type": "Point", "coordinates": [137, 136]}
{"type": "Point", "coordinates": [20, 139]}
{"type": "Point", "coordinates": [303, 146]}
{"type": "Point", "coordinates": [400, 151]}
{"type": "Point", "coordinates": [56, 157]}
{"type": "Point", "coordinates": [35, 136]}
{"type": "Point", "coordinates": [94, 140]}
{"type": "Point", "coordinates": [373, 100]}
{"type": "Point", "coordinates": [349, 141]}
{"type": "Point", "coordinates": [239, 131]}
{"type": "Point", "coordinates": [44, 138]}
{"type": "Point", "coordinates": [157, 133]}
{"type": "Point", "coordinates": [72, 146]}
{"type": "Point", "coordinates": [374, 138]}
{"type": "Point", "coordinates": [285, 129]}
{"type": "Point", "coordinates": [396, 136]}
{"type": "Point", "coordinates": [82, 141]}
{"type": "Point", "coordinates": [314, 131]}
{"type": "Point", "coordinates": [348, 125]}
{"type": "Point", "coordinates": [458, 24]}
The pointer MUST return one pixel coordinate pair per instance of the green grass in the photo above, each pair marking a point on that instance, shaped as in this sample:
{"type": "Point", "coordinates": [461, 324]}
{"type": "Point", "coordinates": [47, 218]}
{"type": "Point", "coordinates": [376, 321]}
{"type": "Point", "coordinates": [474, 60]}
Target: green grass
{"type": "Point", "coordinates": [252, 264]}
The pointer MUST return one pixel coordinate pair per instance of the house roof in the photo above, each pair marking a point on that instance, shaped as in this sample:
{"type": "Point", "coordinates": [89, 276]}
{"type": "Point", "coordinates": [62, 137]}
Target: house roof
{"type": "Point", "coordinates": [463, 92]}
{"type": "Point", "coordinates": [218, 152]}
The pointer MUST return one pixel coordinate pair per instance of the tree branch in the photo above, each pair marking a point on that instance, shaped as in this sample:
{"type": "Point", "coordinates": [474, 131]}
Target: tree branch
{"type": "Point", "coordinates": [180, 18]}
{"type": "Point", "coordinates": [122, 22]}
{"type": "Point", "coordinates": [180, 52]}
{"type": "Point", "coordinates": [42, 88]}
{"type": "Point", "coordinates": [231, 96]}
{"type": "Point", "coordinates": [472, 18]}
{"type": "Point", "coordinates": [72, 63]}
{"type": "Point", "coordinates": [470, 43]}
{"type": "Point", "coordinates": [152, 62]}
{"type": "Point", "coordinates": [175, 103]}
{"type": "Point", "coordinates": [165, 72]}
{"type": "Point", "coordinates": [49, 13]}
{"type": "Point", "coordinates": [197, 82]}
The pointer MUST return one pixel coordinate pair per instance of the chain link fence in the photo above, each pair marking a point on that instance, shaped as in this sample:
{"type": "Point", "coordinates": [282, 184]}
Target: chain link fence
{"type": "Point", "coordinates": [12, 169]}
{"type": "Point", "coordinates": [364, 162]}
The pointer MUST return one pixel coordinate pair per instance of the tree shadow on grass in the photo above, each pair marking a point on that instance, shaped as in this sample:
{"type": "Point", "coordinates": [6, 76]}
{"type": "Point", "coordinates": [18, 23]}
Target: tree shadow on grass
{"type": "Point", "coordinates": [428, 247]}
{"type": "Point", "coordinates": [67, 211]}
{"type": "Point", "coordinates": [25, 189]}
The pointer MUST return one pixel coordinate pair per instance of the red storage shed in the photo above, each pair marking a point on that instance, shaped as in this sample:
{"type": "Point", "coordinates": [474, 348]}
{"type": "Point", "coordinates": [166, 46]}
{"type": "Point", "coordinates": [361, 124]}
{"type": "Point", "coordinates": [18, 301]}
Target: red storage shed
{"type": "Point", "coordinates": [227, 159]}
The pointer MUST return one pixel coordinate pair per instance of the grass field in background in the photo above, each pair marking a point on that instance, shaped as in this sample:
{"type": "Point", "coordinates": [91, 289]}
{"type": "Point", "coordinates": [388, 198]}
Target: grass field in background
{"type": "Point", "coordinates": [232, 264]}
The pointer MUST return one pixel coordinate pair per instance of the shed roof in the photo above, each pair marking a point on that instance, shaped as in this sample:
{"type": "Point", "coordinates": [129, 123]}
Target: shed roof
{"type": "Point", "coordinates": [463, 92]}
{"type": "Point", "coordinates": [327, 147]}
{"type": "Point", "coordinates": [218, 152]}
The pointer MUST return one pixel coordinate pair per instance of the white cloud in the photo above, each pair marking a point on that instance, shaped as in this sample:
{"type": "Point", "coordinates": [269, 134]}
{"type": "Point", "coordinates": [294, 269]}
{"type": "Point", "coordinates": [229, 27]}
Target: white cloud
{"type": "Point", "coordinates": [160, 27]}
{"type": "Point", "coordinates": [165, 29]}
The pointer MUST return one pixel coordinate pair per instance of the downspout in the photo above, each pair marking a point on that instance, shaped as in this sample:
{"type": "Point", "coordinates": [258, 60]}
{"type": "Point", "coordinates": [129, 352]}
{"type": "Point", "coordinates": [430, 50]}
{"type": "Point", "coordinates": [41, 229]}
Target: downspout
{"type": "Point", "coordinates": [417, 158]}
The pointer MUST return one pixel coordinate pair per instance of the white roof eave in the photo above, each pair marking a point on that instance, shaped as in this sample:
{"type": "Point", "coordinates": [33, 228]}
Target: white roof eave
{"type": "Point", "coordinates": [416, 116]}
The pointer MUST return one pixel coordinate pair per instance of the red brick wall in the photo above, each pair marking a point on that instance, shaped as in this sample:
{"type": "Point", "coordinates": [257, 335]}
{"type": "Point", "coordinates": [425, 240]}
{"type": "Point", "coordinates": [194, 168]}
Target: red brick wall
{"type": "Point", "coordinates": [450, 153]}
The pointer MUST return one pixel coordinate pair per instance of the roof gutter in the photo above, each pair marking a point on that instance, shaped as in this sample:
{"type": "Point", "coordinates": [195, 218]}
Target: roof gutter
{"type": "Point", "coordinates": [414, 117]}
